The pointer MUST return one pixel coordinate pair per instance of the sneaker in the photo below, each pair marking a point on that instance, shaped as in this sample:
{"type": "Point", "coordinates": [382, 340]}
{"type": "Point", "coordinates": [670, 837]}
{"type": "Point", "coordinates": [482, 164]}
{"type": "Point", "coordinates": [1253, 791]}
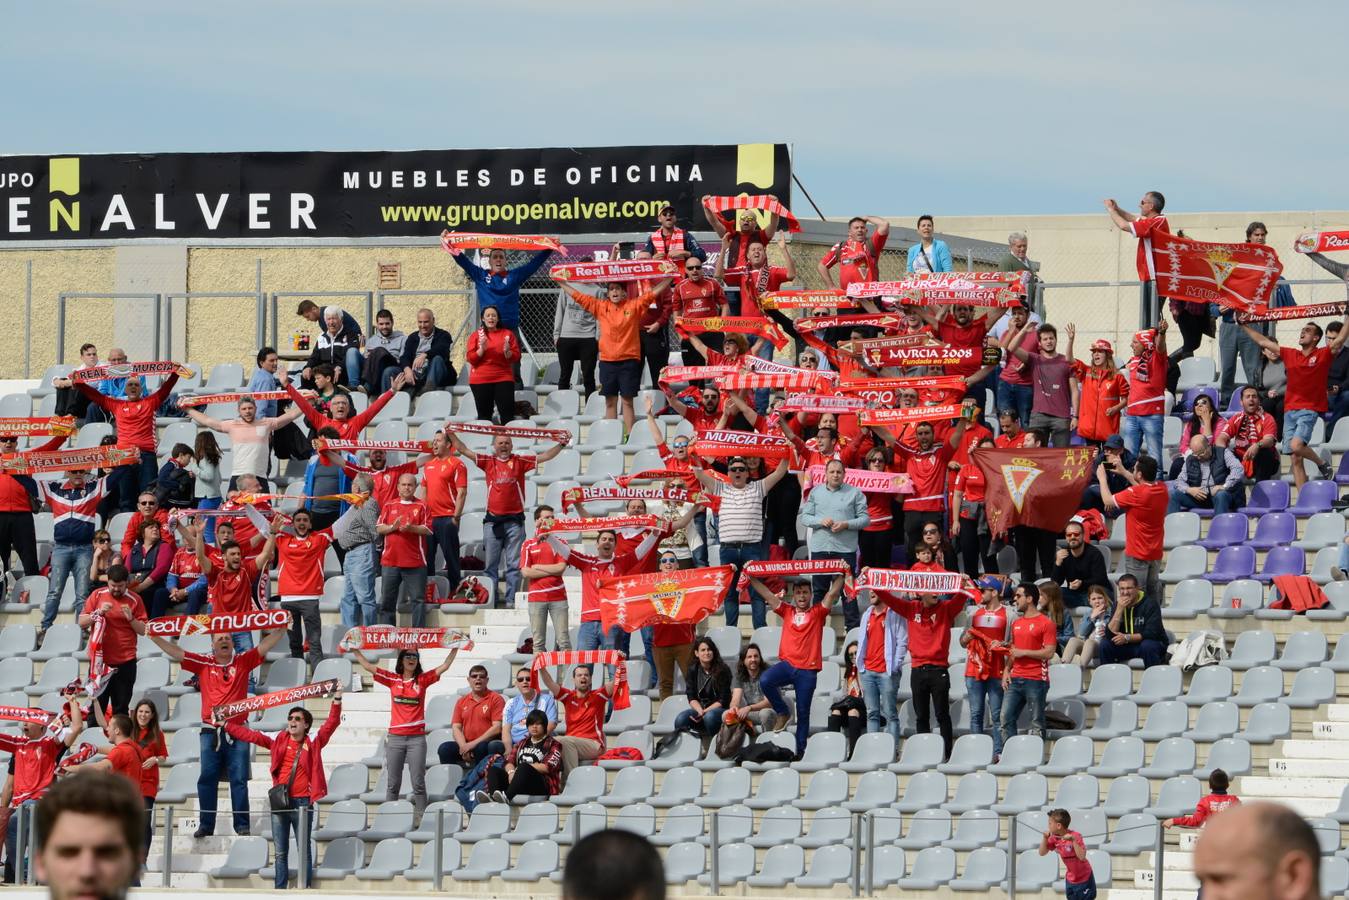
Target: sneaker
{"type": "Point", "coordinates": [202, 833]}
{"type": "Point", "coordinates": [1336, 573]}
{"type": "Point", "coordinates": [41, 635]}
{"type": "Point", "coordinates": [482, 797]}
{"type": "Point", "coordinates": [500, 797]}
{"type": "Point", "coordinates": [1327, 473]}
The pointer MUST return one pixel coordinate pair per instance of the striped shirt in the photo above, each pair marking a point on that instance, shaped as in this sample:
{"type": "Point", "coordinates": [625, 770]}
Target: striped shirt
{"type": "Point", "coordinates": [740, 519]}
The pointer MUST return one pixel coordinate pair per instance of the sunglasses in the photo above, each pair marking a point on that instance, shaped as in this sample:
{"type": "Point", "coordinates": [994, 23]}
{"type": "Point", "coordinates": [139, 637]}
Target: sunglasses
{"type": "Point", "coordinates": [294, 718]}
{"type": "Point", "coordinates": [146, 503]}
{"type": "Point", "coordinates": [669, 559]}
{"type": "Point", "coordinates": [931, 531]}
{"type": "Point", "coordinates": [521, 679]}
{"type": "Point", "coordinates": [734, 469]}
{"type": "Point", "coordinates": [693, 268]}
{"type": "Point", "coordinates": [477, 677]}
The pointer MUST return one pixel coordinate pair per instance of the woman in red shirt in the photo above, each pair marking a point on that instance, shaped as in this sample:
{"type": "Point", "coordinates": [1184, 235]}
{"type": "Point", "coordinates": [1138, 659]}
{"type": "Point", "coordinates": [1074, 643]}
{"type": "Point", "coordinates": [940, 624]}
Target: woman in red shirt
{"type": "Point", "coordinates": [406, 743]}
{"type": "Point", "coordinates": [969, 525]}
{"type": "Point", "coordinates": [492, 353]}
{"type": "Point", "coordinates": [150, 739]}
{"type": "Point", "coordinates": [877, 540]}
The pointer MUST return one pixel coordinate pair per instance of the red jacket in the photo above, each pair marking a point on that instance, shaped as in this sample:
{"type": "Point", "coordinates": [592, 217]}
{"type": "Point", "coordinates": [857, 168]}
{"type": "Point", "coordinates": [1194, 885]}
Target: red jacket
{"type": "Point", "coordinates": [347, 429]}
{"type": "Point", "coordinates": [1101, 390]}
{"type": "Point", "coordinates": [1208, 806]}
{"type": "Point", "coordinates": [318, 783]}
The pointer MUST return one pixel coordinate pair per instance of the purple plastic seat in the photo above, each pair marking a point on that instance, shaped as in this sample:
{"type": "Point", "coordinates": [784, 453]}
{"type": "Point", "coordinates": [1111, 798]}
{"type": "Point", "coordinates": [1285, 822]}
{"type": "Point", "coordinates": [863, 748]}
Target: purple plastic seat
{"type": "Point", "coordinates": [1315, 497]}
{"type": "Point", "coordinates": [1185, 408]}
{"type": "Point", "coordinates": [1342, 473]}
{"type": "Point", "coordinates": [1226, 530]}
{"type": "Point", "coordinates": [1234, 403]}
{"type": "Point", "coordinates": [1233, 564]}
{"type": "Point", "coordinates": [1267, 497]}
{"type": "Point", "coordinates": [1274, 530]}
{"type": "Point", "coordinates": [1283, 561]}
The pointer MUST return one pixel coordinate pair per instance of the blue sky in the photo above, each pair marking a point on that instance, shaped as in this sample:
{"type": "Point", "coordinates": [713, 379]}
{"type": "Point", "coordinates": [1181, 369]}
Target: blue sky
{"type": "Point", "coordinates": [955, 109]}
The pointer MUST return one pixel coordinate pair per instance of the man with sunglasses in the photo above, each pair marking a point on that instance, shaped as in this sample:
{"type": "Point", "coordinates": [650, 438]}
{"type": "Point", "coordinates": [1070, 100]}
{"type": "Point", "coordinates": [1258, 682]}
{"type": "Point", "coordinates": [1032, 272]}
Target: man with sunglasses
{"type": "Point", "coordinates": [527, 699]}
{"type": "Point", "coordinates": [675, 456]}
{"type": "Point", "coordinates": [475, 723]}
{"type": "Point", "coordinates": [669, 241]}
{"type": "Point", "coordinates": [697, 297]}
{"type": "Point", "coordinates": [735, 251]}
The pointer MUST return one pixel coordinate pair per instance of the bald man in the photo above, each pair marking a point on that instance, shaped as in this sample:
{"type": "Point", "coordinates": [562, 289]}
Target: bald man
{"type": "Point", "coordinates": [1258, 851]}
{"type": "Point", "coordinates": [426, 357]}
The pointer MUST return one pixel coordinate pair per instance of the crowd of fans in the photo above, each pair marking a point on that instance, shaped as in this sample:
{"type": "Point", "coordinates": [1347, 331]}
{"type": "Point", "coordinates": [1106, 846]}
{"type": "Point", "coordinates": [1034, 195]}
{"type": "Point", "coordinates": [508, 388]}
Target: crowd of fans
{"type": "Point", "coordinates": [1028, 582]}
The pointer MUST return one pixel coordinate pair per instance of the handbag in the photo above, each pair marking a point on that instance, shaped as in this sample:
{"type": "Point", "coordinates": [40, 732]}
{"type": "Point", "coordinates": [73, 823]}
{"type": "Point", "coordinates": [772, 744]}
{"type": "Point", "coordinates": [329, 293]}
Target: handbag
{"type": "Point", "coordinates": [278, 798]}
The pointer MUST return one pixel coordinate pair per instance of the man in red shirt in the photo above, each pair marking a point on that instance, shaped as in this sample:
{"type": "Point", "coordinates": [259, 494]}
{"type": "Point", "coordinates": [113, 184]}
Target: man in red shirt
{"type": "Point", "coordinates": [445, 484]}
{"type": "Point", "coordinates": [541, 565]}
{"type": "Point", "coordinates": [698, 297]}
{"type": "Point", "coordinates": [135, 424]}
{"type": "Point", "coordinates": [857, 258]}
{"type": "Point", "coordinates": [985, 642]}
{"type": "Point", "coordinates": [1308, 393]}
{"type": "Point", "coordinates": [1252, 435]}
{"type": "Point", "coordinates": [222, 677]}
{"type": "Point", "coordinates": [1145, 501]}
{"type": "Point", "coordinates": [405, 525]}
{"type": "Point", "coordinates": [799, 651]}
{"type": "Point", "coordinates": [927, 466]}
{"type": "Point", "coordinates": [961, 328]}
{"type": "Point", "coordinates": [475, 723]}
{"type": "Point", "coordinates": [123, 755]}
{"type": "Point", "coordinates": [1145, 407]}
{"type": "Point", "coordinates": [125, 618]}
{"type": "Point", "coordinates": [504, 525]}
{"type": "Point", "coordinates": [607, 562]}
{"type": "Point", "coordinates": [230, 577]}
{"type": "Point", "coordinates": [1010, 433]}
{"type": "Point", "coordinates": [930, 618]}
{"type": "Point", "coordinates": [1026, 679]}
{"type": "Point", "coordinates": [300, 579]}
{"type": "Point", "coordinates": [703, 415]}
{"type": "Point", "coordinates": [584, 716]}
{"type": "Point", "coordinates": [35, 755]}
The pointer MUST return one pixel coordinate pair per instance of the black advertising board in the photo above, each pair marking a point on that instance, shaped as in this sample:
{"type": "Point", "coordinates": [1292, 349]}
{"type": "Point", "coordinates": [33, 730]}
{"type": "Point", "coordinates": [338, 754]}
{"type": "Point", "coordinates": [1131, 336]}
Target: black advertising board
{"type": "Point", "coordinates": [378, 194]}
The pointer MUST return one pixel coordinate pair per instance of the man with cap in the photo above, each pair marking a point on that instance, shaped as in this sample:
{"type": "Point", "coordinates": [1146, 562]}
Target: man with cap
{"type": "Point", "coordinates": [1145, 407]}
{"type": "Point", "coordinates": [986, 656]}
{"type": "Point", "coordinates": [1103, 395]}
{"type": "Point", "coordinates": [671, 242]}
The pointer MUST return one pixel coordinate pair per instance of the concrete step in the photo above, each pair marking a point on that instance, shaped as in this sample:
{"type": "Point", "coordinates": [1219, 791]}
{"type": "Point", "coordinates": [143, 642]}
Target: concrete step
{"type": "Point", "coordinates": [1175, 860]}
{"type": "Point", "coordinates": [186, 862]}
{"type": "Point", "coordinates": [1328, 732]}
{"type": "Point", "coordinates": [1140, 894]}
{"type": "Point", "coordinates": [1306, 768]}
{"type": "Point", "coordinates": [197, 880]}
{"type": "Point", "coordinates": [1171, 880]}
{"type": "Point", "coordinates": [1329, 786]}
{"type": "Point", "coordinates": [1316, 749]}
{"type": "Point", "coordinates": [1338, 712]}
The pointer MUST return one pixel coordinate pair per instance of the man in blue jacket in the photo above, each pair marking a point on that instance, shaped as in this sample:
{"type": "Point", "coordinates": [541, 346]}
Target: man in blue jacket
{"type": "Point", "coordinates": [426, 357]}
{"type": "Point", "coordinates": [500, 287]}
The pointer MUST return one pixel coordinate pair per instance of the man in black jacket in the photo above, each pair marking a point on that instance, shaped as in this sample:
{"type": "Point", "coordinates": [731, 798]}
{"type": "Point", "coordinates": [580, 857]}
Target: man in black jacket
{"type": "Point", "coordinates": [1079, 566]}
{"type": "Point", "coordinates": [1116, 460]}
{"type": "Point", "coordinates": [1135, 629]}
{"type": "Point", "coordinates": [426, 356]}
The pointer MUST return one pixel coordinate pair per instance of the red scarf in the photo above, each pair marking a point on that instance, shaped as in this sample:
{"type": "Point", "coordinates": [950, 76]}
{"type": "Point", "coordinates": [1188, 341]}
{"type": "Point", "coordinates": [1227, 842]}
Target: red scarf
{"type": "Point", "coordinates": [1322, 241]}
{"type": "Point", "coordinates": [865, 480]}
{"type": "Point", "coordinates": [397, 446]}
{"type": "Point", "coordinates": [869, 417]}
{"type": "Point", "coordinates": [685, 596]}
{"type": "Point", "coordinates": [673, 244]}
{"type": "Point", "coordinates": [226, 711]}
{"type": "Point", "coordinates": [658, 475]}
{"type": "Point", "coordinates": [598, 523]}
{"type": "Point", "coordinates": [63, 426]}
{"type": "Point", "coordinates": [821, 403]}
{"type": "Point", "coordinates": [737, 324]}
{"type": "Point", "coordinates": [614, 270]}
{"type": "Point", "coordinates": [106, 456]}
{"type": "Point", "coordinates": [557, 435]}
{"type": "Point", "coordinates": [383, 637]}
{"type": "Point", "coordinates": [740, 443]}
{"type": "Point", "coordinates": [1315, 311]}
{"type": "Point", "coordinates": [620, 695]}
{"type": "Point", "coordinates": [760, 201]}
{"type": "Point", "coordinates": [236, 396]}
{"type": "Point", "coordinates": [573, 496]}
{"type": "Point", "coordinates": [900, 581]}
{"type": "Point", "coordinates": [816, 299]}
{"type": "Point", "coordinates": [469, 240]}
{"type": "Point", "coordinates": [219, 623]}
{"type": "Point", "coordinates": [768, 570]}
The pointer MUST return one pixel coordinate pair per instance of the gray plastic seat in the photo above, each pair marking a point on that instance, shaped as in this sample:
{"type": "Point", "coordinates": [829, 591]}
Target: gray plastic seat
{"type": "Point", "coordinates": [828, 788]}
{"type": "Point", "coordinates": [1301, 650]}
{"type": "Point", "coordinates": [181, 783]}
{"type": "Point", "coordinates": [632, 785]}
{"type": "Point", "coordinates": [1251, 649]}
{"type": "Point", "coordinates": [974, 829]}
{"type": "Point", "coordinates": [919, 754]}
{"type": "Point", "coordinates": [284, 673]}
{"type": "Point", "coordinates": [56, 674]}
{"type": "Point", "coordinates": [782, 865]}
{"type": "Point", "coordinates": [887, 866]}
{"type": "Point", "coordinates": [875, 790]}
{"type": "Point", "coordinates": [1209, 684]}
{"type": "Point", "coordinates": [778, 826]}
{"type": "Point", "coordinates": [932, 868]}
{"type": "Point", "coordinates": [1267, 723]}
{"type": "Point", "coordinates": [927, 827]}
{"type": "Point", "coordinates": [826, 750]}
{"type": "Point", "coordinates": [17, 639]}
{"type": "Point", "coordinates": [1167, 718]}
{"type": "Point", "coordinates": [682, 823]}
{"type": "Point", "coordinates": [1127, 794]}
{"type": "Point", "coordinates": [393, 818]}
{"type": "Point", "coordinates": [1311, 687]}
{"type": "Point", "coordinates": [345, 818]}
{"type": "Point", "coordinates": [1261, 684]}
{"type": "Point", "coordinates": [1031, 827]}
{"type": "Point", "coordinates": [1191, 597]}
{"type": "Point", "coordinates": [1109, 682]}
{"type": "Point", "coordinates": [924, 790]}
{"type": "Point", "coordinates": [683, 752]}
{"type": "Point", "coordinates": [348, 781]}
{"type": "Point", "coordinates": [1114, 718]}
{"type": "Point", "coordinates": [1178, 796]}
{"type": "Point", "coordinates": [488, 820]}
{"type": "Point", "coordinates": [734, 823]}
{"type": "Point", "coordinates": [682, 784]}
{"type": "Point", "coordinates": [985, 868]}
{"type": "Point", "coordinates": [977, 790]}
{"type": "Point", "coordinates": [1080, 791]}
{"type": "Point", "coordinates": [776, 787]}
{"type": "Point", "coordinates": [488, 859]}
{"type": "Point", "coordinates": [185, 747]}
{"type": "Point", "coordinates": [1035, 872]}
{"type": "Point", "coordinates": [1027, 791]}
{"type": "Point", "coordinates": [1172, 757]}
{"type": "Point", "coordinates": [1327, 832]}
{"type": "Point", "coordinates": [636, 715]}
{"type": "Point", "coordinates": [828, 827]}
{"type": "Point", "coordinates": [735, 863]}
{"type": "Point", "coordinates": [538, 860]}
{"type": "Point", "coordinates": [1159, 683]}
{"type": "Point", "coordinates": [685, 862]}
{"type": "Point", "coordinates": [872, 751]}
{"type": "Point", "coordinates": [1339, 660]}
{"type": "Point", "coordinates": [1217, 720]}
{"type": "Point", "coordinates": [1341, 813]}
{"type": "Point", "coordinates": [62, 639]}
{"type": "Point", "coordinates": [246, 856]}
{"type": "Point", "coordinates": [1122, 755]}
{"type": "Point", "coordinates": [450, 859]}
{"type": "Point", "coordinates": [341, 858]}
{"type": "Point", "coordinates": [783, 739]}
{"type": "Point", "coordinates": [1133, 833]}
{"type": "Point", "coordinates": [1186, 561]}
{"type": "Point", "coordinates": [391, 856]}
{"type": "Point", "coordinates": [1065, 680]}
{"type": "Point", "coordinates": [454, 821]}
{"type": "Point", "coordinates": [584, 783]}
{"type": "Point", "coordinates": [971, 753]}
{"type": "Point", "coordinates": [731, 785]}
{"type": "Point", "coordinates": [1069, 755]}
{"type": "Point", "coordinates": [829, 866]}
{"type": "Point", "coordinates": [536, 820]}
{"type": "Point", "coordinates": [583, 819]}
{"type": "Point", "coordinates": [1232, 755]}
{"type": "Point", "coordinates": [1021, 753]}
{"type": "Point", "coordinates": [16, 673]}
{"type": "Point", "coordinates": [1334, 876]}
{"type": "Point", "coordinates": [638, 818]}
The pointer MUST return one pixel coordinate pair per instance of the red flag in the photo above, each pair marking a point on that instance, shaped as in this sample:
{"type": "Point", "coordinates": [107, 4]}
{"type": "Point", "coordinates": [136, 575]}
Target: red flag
{"type": "Point", "coordinates": [1041, 487]}
{"type": "Point", "coordinates": [687, 596]}
{"type": "Point", "coordinates": [1238, 276]}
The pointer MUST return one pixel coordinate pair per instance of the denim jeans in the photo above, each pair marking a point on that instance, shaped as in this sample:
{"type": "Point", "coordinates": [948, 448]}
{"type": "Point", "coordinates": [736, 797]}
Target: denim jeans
{"type": "Point", "coordinates": [1219, 501]}
{"type": "Point", "coordinates": [435, 375]}
{"type": "Point", "coordinates": [358, 597]}
{"type": "Point", "coordinates": [700, 553]}
{"type": "Point", "coordinates": [803, 680]}
{"type": "Point", "coordinates": [221, 753]}
{"type": "Point", "coordinates": [352, 364]}
{"type": "Point", "coordinates": [1139, 429]}
{"type": "Point", "coordinates": [1024, 692]}
{"type": "Point", "coordinates": [398, 583]}
{"type": "Point", "coordinates": [196, 597]}
{"type": "Point", "coordinates": [737, 554]}
{"type": "Point", "coordinates": [1234, 342]}
{"type": "Point", "coordinates": [820, 586]}
{"type": "Point", "coordinates": [590, 636]}
{"type": "Point", "coordinates": [67, 559]}
{"type": "Point", "coordinates": [283, 826]}
{"type": "Point", "coordinates": [12, 839]}
{"type": "Point", "coordinates": [1015, 396]}
{"type": "Point", "coordinates": [708, 726]}
{"type": "Point", "coordinates": [987, 691]}
{"type": "Point", "coordinates": [502, 539]}
{"type": "Point", "coordinates": [878, 693]}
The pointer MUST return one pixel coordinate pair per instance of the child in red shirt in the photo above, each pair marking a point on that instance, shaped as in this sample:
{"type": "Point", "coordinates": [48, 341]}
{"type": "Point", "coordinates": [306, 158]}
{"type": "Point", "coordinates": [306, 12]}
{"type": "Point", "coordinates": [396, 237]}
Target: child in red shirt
{"type": "Point", "coordinates": [1217, 800]}
{"type": "Point", "coordinates": [1078, 877]}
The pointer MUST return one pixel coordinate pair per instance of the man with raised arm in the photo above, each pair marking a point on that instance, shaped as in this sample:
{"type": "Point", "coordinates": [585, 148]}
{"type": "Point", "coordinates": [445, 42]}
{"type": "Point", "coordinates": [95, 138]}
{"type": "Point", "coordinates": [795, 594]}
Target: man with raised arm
{"type": "Point", "coordinates": [250, 436]}
{"type": "Point", "coordinates": [857, 256]}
